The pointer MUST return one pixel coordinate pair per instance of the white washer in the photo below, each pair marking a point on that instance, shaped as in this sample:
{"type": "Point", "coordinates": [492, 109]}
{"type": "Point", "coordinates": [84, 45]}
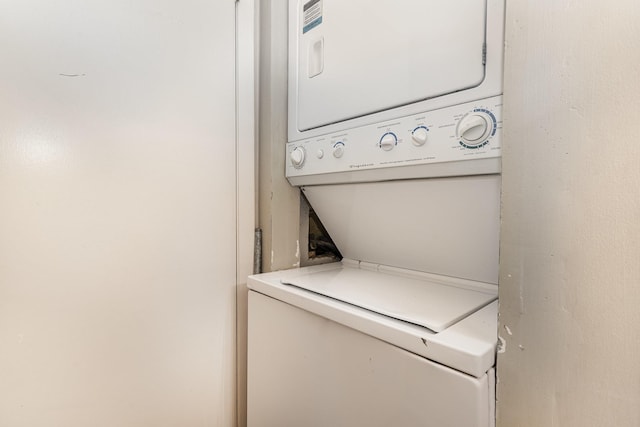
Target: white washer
{"type": "Point", "coordinates": [365, 343]}
{"type": "Point", "coordinates": [321, 361]}
{"type": "Point", "coordinates": [395, 138]}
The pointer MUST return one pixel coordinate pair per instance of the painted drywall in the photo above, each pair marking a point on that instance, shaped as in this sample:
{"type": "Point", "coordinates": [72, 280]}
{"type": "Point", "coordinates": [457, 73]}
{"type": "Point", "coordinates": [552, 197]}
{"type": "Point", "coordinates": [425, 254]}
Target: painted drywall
{"type": "Point", "coordinates": [120, 234]}
{"type": "Point", "coordinates": [570, 238]}
{"type": "Point", "coordinates": [279, 202]}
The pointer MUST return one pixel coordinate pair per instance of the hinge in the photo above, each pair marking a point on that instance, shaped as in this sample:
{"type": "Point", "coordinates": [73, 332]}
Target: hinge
{"type": "Point", "coordinates": [484, 54]}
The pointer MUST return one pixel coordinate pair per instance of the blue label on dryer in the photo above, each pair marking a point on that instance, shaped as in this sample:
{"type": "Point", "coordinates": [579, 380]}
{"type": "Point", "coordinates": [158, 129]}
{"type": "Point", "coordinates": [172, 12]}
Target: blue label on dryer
{"type": "Point", "coordinates": [312, 15]}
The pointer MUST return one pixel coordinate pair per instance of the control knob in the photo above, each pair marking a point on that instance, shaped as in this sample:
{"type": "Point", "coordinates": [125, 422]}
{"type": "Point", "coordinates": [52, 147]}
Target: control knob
{"type": "Point", "coordinates": [338, 149]}
{"type": "Point", "coordinates": [474, 128]}
{"type": "Point", "coordinates": [419, 136]}
{"type": "Point", "coordinates": [388, 141]}
{"type": "Point", "coordinates": [297, 157]}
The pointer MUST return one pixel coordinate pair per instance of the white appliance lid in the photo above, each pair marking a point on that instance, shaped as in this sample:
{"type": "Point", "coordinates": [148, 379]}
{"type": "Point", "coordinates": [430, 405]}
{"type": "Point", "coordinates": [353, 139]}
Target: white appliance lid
{"type": "Point", "coordinates": [426, 303]}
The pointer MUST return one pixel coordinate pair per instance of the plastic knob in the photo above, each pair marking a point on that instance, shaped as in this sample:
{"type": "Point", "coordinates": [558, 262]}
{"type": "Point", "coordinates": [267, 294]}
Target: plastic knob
{"type": "Point", "coordinates": [338, 150]}
{"type": "Point", "coordinates": [388, 141]}
{"type": "Point", "coordinates": [419, 136]}
{"type": "Point", "coordinates": [297, 157]}
{"type": "Point", "coordinates": [474, 129]}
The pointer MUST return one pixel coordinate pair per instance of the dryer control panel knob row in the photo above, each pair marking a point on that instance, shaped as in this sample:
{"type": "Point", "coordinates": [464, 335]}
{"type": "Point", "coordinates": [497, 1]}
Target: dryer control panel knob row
{"type": "Point", "coordinates": [446, 136]}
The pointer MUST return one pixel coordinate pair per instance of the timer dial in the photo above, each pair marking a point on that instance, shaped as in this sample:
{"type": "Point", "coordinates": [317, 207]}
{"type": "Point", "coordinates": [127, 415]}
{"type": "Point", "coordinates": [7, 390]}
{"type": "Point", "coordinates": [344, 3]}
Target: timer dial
{"type": "Point", "coordinates": [474, 128]}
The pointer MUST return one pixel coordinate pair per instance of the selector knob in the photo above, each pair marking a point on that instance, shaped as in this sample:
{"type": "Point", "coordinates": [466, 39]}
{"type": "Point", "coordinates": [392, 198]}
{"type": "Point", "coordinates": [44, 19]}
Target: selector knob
{"type": "Point", "coordinates": [473, 129]}
{"type": "Point", "coordinates": [338, 149]}
{"type": "Point", "coordinates": [419, 136]}
{"type": "Point", "coordinates": [388, 141]}
{"type": "Point", "coordinates": [297, 157]}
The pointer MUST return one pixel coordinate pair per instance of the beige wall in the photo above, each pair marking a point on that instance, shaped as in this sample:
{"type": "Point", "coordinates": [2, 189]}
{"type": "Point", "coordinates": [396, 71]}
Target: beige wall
{"type": "Point", "coordinates": [570, 248]}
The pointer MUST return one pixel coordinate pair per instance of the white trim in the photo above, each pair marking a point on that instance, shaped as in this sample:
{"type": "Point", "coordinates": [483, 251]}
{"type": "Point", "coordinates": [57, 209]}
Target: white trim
{"type": "Point", "coordinates": [245, 137]}
{"type": "Point", "coordinates": [245, 186]}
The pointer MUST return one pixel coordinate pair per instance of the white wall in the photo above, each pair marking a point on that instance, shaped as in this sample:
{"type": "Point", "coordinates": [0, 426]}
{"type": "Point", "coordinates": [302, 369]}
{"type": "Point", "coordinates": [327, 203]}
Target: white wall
{"type": "Point", "coordinates": [119, 223]}
{"type": "Point", "coordinates": [570, 248]}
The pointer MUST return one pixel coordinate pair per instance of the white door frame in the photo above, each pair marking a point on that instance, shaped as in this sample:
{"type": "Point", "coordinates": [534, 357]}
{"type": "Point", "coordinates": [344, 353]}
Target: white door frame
{"type": "Point", "coordinates": [246, 191]}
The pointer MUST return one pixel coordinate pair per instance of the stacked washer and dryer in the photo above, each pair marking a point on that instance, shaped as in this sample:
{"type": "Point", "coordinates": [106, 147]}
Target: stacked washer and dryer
{"type": "Point", "coordinates": [394, 138]}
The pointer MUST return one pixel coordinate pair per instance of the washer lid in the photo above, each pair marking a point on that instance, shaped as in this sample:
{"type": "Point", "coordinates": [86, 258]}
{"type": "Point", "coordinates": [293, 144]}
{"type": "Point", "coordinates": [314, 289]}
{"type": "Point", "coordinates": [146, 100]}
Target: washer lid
{"type": "Point", "coordinates": [428, 303]}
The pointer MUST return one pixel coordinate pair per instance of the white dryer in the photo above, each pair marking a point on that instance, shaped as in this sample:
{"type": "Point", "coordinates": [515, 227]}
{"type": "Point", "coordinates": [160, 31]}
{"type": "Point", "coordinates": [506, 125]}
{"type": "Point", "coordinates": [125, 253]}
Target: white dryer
{"type": "Point", "coordinates": [394, 137]}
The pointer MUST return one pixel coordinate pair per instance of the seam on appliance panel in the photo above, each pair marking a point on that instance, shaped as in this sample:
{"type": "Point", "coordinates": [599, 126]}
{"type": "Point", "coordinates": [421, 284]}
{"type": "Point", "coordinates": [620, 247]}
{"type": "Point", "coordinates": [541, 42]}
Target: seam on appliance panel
{"type": "Point", "coordinates": [357, 306]}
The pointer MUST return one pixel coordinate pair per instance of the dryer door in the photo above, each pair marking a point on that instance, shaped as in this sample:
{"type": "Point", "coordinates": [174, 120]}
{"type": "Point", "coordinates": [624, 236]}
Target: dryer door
{"type": "Point", "coordinates": [358, 57]}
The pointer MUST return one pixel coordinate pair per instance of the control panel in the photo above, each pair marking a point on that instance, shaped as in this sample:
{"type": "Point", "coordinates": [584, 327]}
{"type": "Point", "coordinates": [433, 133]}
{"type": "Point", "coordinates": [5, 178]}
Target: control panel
{"type": "Point", "coordinates": [462, 132]}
